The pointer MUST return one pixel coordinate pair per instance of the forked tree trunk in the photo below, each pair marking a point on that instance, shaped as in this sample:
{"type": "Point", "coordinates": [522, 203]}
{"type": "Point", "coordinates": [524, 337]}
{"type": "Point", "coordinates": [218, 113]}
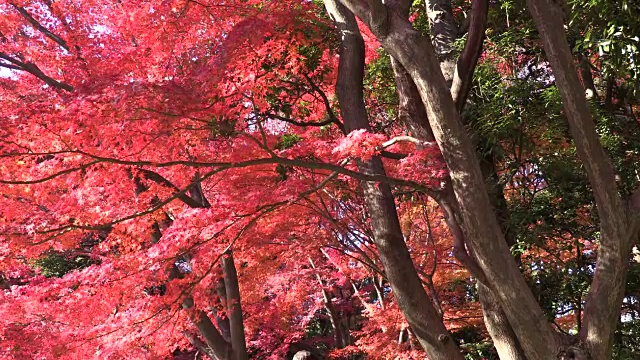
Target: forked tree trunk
{"type": "Point", "coordinates": [617, 228]}
{"type": "Point", "coordinates": [395, 257]}
{"type": "Point", "coordinates": [412, 114]}
{"type": "Point", "coordinates": [486, 241]}
{"type": "Point", "coordinates": [228, 341]}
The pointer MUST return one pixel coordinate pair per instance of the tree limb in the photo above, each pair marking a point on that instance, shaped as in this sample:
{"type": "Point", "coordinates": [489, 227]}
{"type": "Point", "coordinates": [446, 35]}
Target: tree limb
{"type": "Point", "coordinates": [34, 70]}
{"type": "Point", "coordinates": [155, 177]}
{"type": "Point", "coordinates": [465, 67]}
{"type": "Point", "coordinates": [58, 40]}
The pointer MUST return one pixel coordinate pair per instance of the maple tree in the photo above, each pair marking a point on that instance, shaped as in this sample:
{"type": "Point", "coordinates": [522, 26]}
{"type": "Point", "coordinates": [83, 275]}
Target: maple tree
{"type": "Point", "coordinates": [343, 179]}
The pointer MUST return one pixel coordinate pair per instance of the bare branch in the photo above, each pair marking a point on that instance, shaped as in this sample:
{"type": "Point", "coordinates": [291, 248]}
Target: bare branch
{"type": "Point", "coordinates": [304, 123]}
{"type": "Point", "coordinates": [402, 138]}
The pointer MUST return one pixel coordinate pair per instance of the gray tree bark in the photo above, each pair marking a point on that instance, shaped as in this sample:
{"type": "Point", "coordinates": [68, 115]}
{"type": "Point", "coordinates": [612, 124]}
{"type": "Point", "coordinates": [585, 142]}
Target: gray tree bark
{"type": "Point", "coordinates": [617, 229]}
{"type": "Point", "coordinates": [405, 283]}
{"type": "Point", "coordinates": [444, 32]}
{"type": "Point", "coordinates": [412, 114]}
{"type": "Point", "coordinates": [486, 239]}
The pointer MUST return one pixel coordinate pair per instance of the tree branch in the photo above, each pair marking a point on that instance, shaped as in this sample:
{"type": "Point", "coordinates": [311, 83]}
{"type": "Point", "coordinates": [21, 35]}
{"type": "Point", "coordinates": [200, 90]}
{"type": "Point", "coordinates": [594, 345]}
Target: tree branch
{"type": "Point", "coordinates": [305, 123]}
{"type": "Point", "coordinates": [155, 177]}
{"type": "Point", "coordinates": [465, 67]}
{"type": "Point", "coordinates": [327, 104]}
{"type": "Point", "coordinates": [34, 70]}
{"type": "Point", "coordinates": [41, 28]}
{"type": "Point", "coordinates": [10, 66]}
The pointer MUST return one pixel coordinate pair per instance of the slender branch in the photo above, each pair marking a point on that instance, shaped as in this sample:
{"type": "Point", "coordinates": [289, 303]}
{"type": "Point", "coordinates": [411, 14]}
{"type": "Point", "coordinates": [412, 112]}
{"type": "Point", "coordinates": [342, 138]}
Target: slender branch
{"type": "Point", "coordinates": [327, 104]}
{"type": "Point", "coordinates": [402, 138]}
{"type": "Point", "coordinates": [221, 166]}
{"type": "Point", "coordinates": [154, 176]}
{"type": "Point", "coordinates": [50, 177]}
{"type": "Point", "coordinates": [304, 123]}
{"type": "Point", "coordinates": [10, 66]}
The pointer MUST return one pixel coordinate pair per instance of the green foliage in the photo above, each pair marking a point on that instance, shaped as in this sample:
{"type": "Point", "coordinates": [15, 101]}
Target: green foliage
{"type": "Point", "coordinates": [283, 172]}
{"type": "Point", "coordinates": [626, 345]}
{"type": "Point", "coordinates": [57, 264]}
{"type": "Point", "coordinates": [287, 141]}
{"type": "Point", "coordinates": [473, 344]}
{"type": "Point", "coordinates": [620, 136]}
{"type": "Point", "coordinates": [316, 327]}
{"type": "Point", "coordinates": [419, 16]}
{"type": "Point", "coordinates": [379, 84]}
{"type": "Point", "coordinates": [610, 31]}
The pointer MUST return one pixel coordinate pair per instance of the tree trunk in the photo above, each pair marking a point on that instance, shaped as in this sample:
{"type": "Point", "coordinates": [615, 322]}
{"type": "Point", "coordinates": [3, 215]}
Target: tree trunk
{"type": "Point", "coordinates": [602, 309]}
{"type": "Point", "coordinates": [234, 308]}
{"type": "Point", "coordinates": [504, 340]}
{"type": "Point", "coordinates": [483, 231]}
{"type": "Point", "coordinates": [212, 337]}
{"type": "Point", "coordinates": [405, 283]}
{"type": "Point", "coordinates": [412, 114]}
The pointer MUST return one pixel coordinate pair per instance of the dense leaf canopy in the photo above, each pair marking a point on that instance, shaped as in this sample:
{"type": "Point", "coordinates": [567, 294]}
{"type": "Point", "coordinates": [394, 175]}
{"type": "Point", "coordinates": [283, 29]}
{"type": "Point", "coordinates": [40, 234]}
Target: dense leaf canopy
{"type": "Point", "coordinates": [185, 178]}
